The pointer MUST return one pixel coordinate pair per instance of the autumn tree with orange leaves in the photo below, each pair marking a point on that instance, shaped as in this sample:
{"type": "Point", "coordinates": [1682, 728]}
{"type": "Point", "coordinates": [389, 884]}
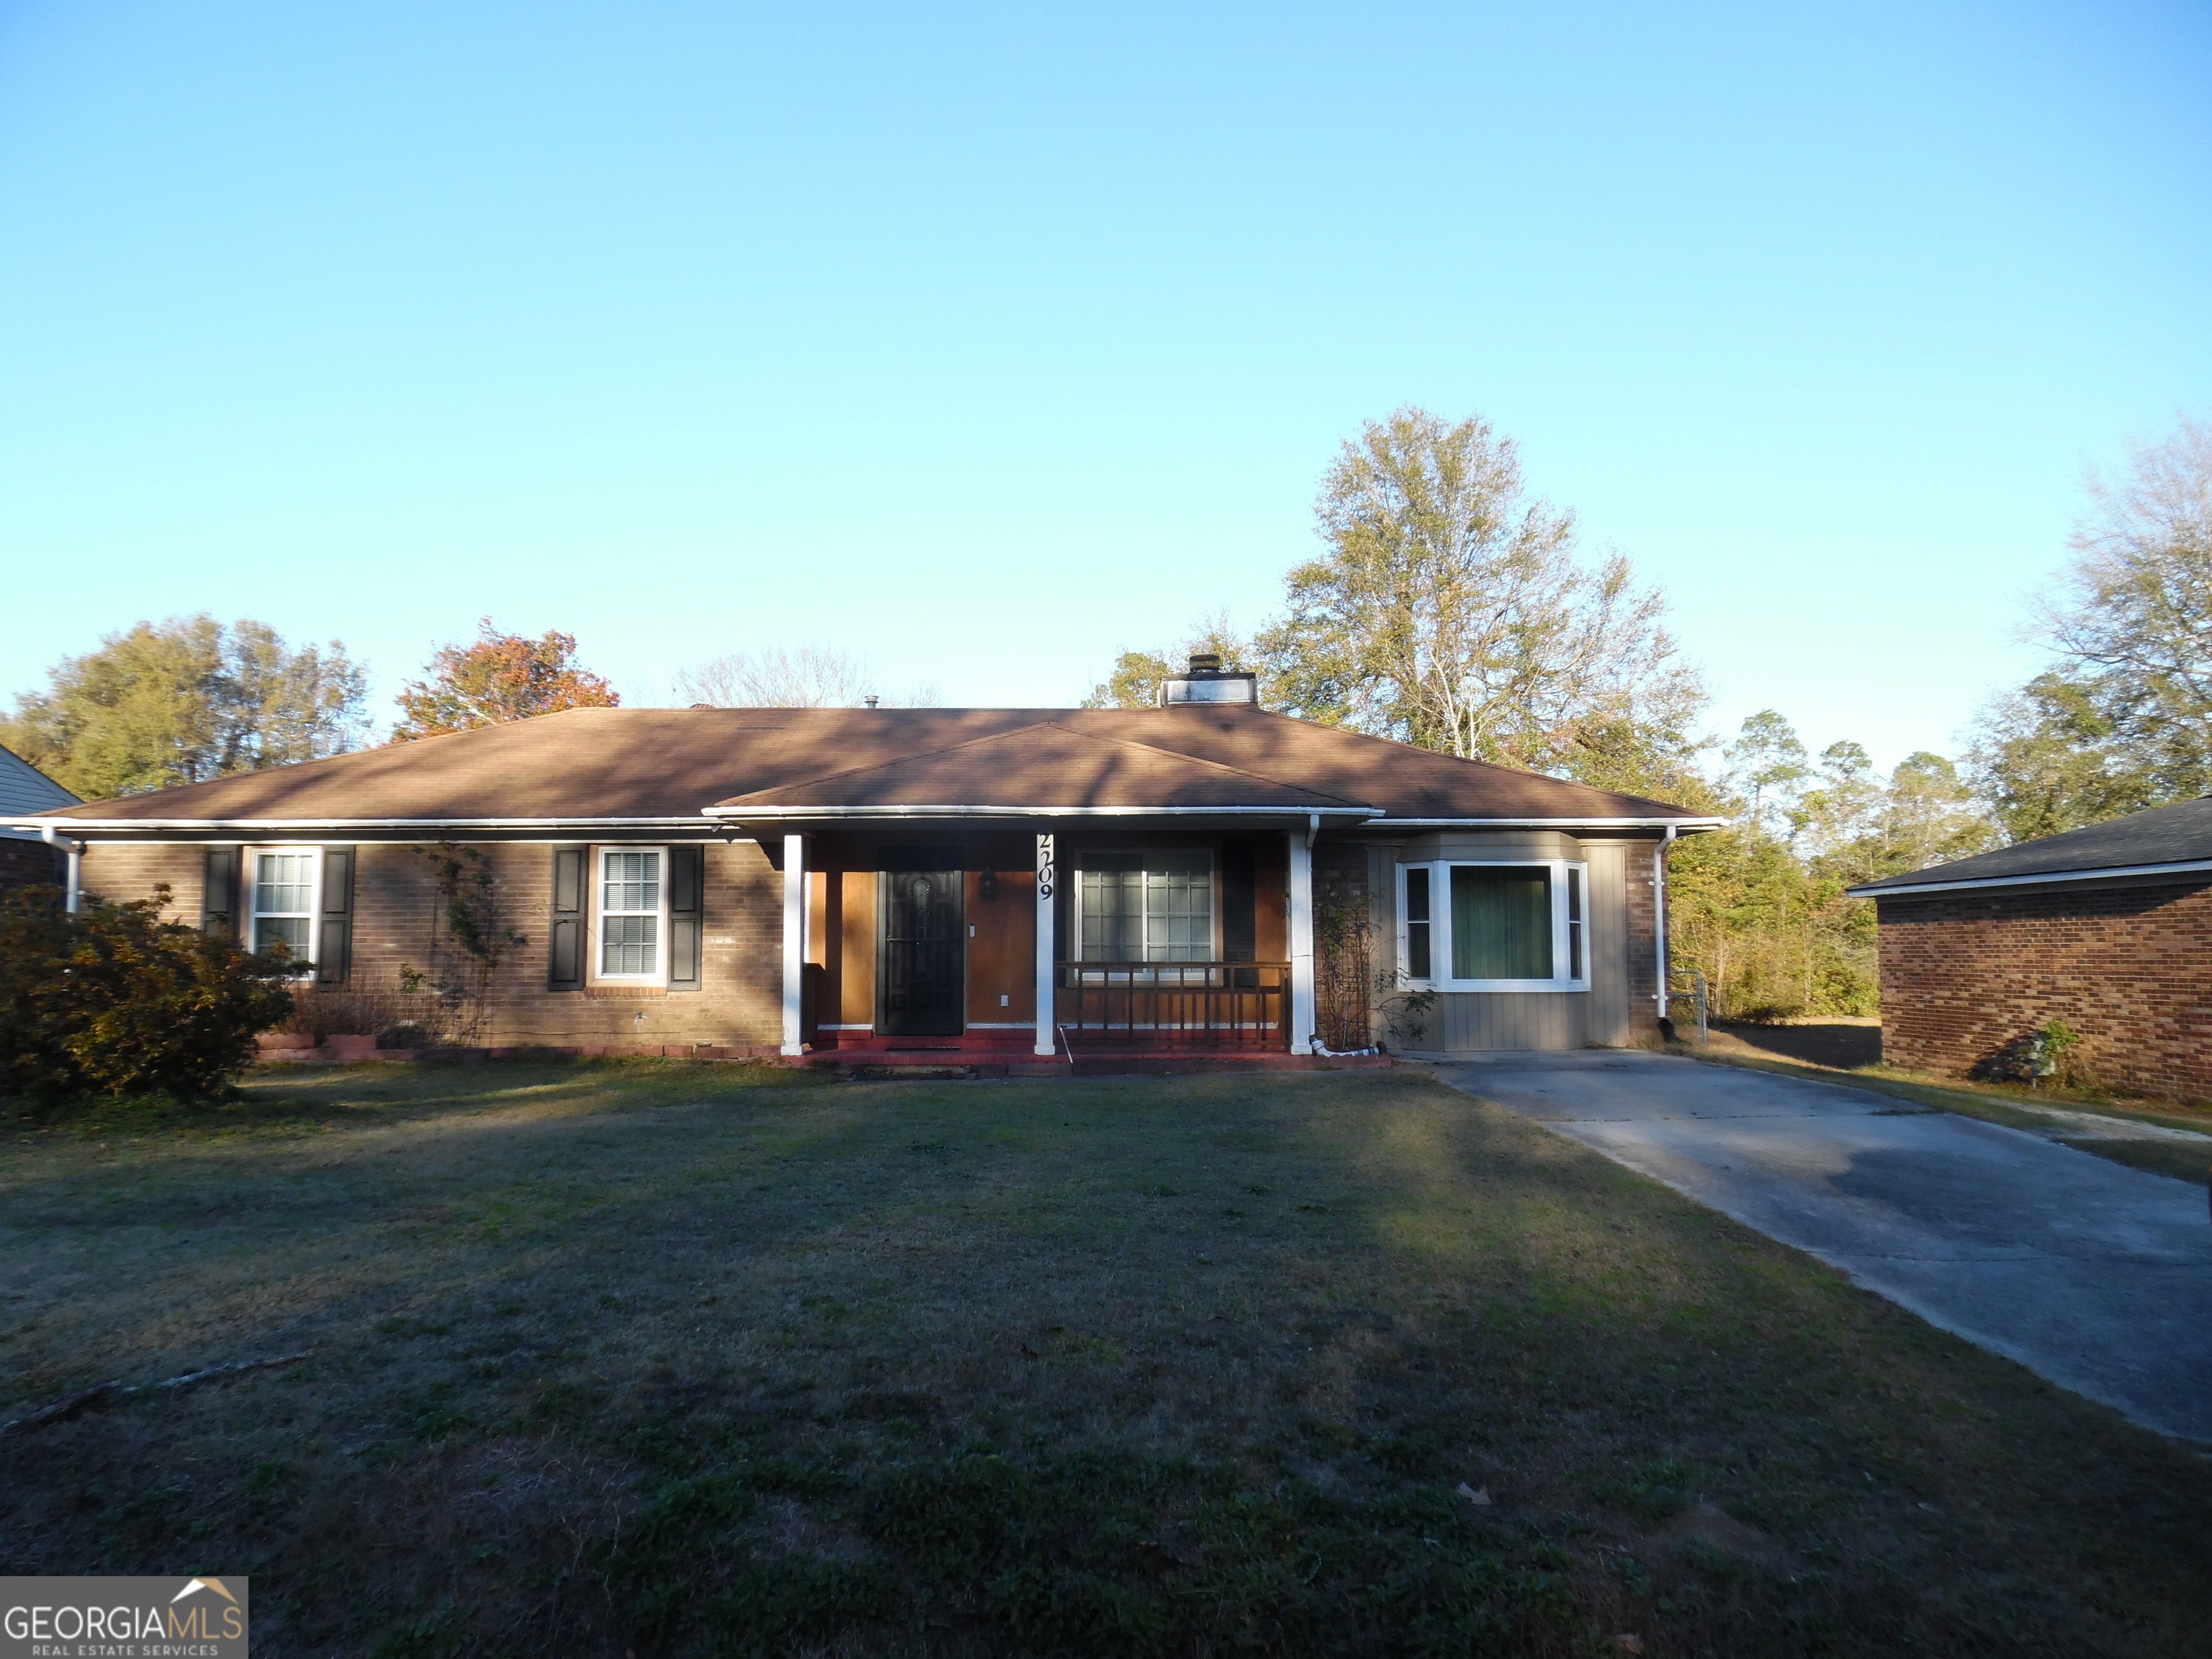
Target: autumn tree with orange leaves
{"type": "Point", "coordinates": [502, 677]}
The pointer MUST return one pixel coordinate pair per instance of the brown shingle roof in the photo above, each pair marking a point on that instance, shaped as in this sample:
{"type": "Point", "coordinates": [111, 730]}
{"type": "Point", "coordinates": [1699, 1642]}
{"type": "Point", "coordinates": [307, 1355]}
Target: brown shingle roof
{"type": "Point", "coordinates": [616, 765]}
{"type": "Point", "coordinates": [1046, 765]}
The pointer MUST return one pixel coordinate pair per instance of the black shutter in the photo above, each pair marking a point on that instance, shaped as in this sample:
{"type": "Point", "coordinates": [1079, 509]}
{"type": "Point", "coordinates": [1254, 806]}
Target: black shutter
{"type": "Point", "coordinates": [565, 968]}
{"type": "Point", "coordinates": [219, 893]}
{"type": "Point", "coordinates": [686, 908]}
{"type": "Point", "coordinates": [334, 945]}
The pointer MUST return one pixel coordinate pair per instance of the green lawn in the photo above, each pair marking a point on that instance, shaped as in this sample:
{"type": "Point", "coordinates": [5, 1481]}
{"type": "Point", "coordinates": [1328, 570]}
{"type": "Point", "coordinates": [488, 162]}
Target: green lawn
{"type": "Point", "coordinates": [656, 1359]}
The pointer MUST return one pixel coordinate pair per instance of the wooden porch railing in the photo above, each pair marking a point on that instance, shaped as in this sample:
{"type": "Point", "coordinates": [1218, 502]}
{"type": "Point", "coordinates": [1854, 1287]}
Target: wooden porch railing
{"type": "Point", "coordinates": [1213, 1003]}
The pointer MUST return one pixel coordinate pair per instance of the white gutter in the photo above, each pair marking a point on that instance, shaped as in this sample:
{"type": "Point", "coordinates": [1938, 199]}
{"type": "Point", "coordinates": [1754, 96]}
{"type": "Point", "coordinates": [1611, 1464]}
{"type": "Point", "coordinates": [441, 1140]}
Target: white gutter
{"type": "Point", "coordinates": [280, 825]}
{"type": "Point", "coordinates": [1669, 825]}
{"type": "Point", "coordinates": [1659, 912]}
{"type": "Point", "coordinates": [2111, 873]}
{"type": "Point", "coordinates": [52, 838]}
{"type": "Point", "coordinates": [714, 816]}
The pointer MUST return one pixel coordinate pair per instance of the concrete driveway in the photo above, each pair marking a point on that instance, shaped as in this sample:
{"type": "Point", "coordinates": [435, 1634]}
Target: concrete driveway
{"type": "Point", "coordinates": [2095, 1276]}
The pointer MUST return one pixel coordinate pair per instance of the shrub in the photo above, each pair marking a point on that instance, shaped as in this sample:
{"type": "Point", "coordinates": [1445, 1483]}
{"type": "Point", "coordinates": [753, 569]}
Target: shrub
{"type": "Point", "coordinates": [113, 1000]}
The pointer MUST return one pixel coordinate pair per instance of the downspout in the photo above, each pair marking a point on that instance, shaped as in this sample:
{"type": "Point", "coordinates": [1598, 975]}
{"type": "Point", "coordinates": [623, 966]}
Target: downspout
{"type": "Point", "coordinates": [1659, 915]}
{"type": "Point", "coordinates": [52, 838]}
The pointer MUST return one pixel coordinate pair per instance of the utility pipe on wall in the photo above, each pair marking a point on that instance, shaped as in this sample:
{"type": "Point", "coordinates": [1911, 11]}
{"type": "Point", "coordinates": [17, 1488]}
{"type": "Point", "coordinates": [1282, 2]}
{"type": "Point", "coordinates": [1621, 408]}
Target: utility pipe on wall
{"type": "Point", "coordinates": [76, 851]}
{"type": "Point", "coordinates": [1659, 913]}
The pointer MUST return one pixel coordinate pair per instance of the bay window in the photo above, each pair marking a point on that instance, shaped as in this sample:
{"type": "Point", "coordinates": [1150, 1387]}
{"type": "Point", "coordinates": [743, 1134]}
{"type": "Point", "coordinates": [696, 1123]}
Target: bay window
{"type": "Point", "coordinates": [1521, 926]}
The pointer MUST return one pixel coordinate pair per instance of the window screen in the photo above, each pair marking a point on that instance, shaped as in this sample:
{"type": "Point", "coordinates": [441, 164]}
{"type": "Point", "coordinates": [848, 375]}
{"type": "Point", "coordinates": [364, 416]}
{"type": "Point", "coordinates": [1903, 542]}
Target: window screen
{"type": "Point", "coordinates": [629, 913]}
{"type": "Point", "coordinates": [1501, 921]}
{"type": "Point", "coordinates": [284, 902]}
{"type": "Point", "coordinates": [1147, 907]}
{"type": "Point", "coordinates": [1418, 963]}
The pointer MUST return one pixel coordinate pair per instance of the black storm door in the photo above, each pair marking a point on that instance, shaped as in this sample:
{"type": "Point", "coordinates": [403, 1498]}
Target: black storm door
{"type": "Point", "coordinates": [922, 986]}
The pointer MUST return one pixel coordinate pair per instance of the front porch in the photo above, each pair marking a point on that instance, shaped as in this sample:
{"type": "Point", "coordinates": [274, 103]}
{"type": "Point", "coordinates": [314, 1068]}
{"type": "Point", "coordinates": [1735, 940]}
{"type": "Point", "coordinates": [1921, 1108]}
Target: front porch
{"type": "Point", "coordinates": [1160, 943]}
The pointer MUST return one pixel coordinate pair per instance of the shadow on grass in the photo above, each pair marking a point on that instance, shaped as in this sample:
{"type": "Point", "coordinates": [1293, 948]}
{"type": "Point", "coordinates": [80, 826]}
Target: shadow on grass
{"type": "Point", "coordinates": [1163, 1367]}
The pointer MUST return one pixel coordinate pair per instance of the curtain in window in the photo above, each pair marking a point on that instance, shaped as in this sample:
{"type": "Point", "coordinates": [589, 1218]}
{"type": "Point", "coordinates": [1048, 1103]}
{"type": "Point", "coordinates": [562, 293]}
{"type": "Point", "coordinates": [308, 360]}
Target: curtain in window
{"type": "Point", "coordinates": [1501, 922]}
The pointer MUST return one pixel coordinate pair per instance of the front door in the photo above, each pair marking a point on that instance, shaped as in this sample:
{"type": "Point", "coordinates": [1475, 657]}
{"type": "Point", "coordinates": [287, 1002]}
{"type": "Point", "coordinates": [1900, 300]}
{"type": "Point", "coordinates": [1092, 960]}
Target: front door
{"type": "Point", "coordinates": [922, 982]}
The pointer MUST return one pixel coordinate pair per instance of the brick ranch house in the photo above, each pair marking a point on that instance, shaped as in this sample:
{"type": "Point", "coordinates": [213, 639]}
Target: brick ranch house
{"type": "Point", "coordinates": [2108, 929]}
{"type": "Point", "coordinates": [1039, 882]}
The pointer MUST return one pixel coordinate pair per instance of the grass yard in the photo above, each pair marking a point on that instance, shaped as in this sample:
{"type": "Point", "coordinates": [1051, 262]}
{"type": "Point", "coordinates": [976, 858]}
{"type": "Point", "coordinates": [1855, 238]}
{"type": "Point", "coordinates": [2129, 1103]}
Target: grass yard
{"type": "Point", "coordinates": [660, 1359]}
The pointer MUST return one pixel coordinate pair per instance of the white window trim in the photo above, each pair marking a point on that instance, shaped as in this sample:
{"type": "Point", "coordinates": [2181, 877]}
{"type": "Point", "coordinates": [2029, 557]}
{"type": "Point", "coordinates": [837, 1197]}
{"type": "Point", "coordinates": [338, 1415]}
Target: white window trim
{"type": "Point", "coordinates": [249, 877]}
{"type": "Point", "coordinates": [1145, 918]}
{"type": "Point", "coordinates": [1440, 939]}
{"type": "Point", "coordinates": [596, 941]}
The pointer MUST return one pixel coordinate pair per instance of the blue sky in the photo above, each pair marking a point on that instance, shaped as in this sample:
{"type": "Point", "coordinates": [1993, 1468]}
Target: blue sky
{"type": "Point", "coordinates": [989, 341]}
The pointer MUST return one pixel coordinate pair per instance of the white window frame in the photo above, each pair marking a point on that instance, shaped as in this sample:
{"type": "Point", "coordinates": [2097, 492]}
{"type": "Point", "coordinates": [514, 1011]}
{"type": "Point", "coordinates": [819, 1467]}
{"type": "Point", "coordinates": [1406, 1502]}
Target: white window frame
{"type": "Point", "coordinates": [249, 876]}
{"type": "Point", "coordinates": [599, 913]}
{"type": "Point", "coordinates": [1440, 923]}
{"type": "Point", "coordinates": [1144, 914]}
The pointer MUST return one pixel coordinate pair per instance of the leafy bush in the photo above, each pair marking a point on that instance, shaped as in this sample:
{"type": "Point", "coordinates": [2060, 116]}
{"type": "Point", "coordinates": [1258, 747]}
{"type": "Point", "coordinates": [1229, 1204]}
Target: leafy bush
{"type": "Point", "coordinates": [113, 1000]}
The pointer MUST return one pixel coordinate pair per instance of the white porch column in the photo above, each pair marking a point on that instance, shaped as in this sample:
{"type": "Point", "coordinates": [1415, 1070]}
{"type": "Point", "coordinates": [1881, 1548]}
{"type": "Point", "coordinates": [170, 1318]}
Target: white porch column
{"type": "Point", "coordinates": [1301, 940]}
{"type": "Point", "coordinates": [794, 942]}
{"type": "Point", "coordinates": [1047, 879]}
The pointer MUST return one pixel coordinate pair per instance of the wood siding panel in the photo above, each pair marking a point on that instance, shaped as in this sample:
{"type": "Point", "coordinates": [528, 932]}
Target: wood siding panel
{"type": "Point", "coordinates": [856, 932]}
{"type": "Point", "coordinates": [1270, 899]}
{"type": "Point", "coordinates": [1002, 956]}
{"type": "Point", "coordinates": [1616, 1012]}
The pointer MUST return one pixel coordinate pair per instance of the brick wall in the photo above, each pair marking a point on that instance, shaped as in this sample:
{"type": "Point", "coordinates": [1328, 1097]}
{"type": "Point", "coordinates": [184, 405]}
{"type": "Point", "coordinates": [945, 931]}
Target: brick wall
{"type": "Point", "coordinates": [396, 909]}
{"type": "Point", "coordinates": [1639, 894]}
{"type": "Point", "coordinates": [124, 873]}
{"type": "Point", "coordinates": [1963, 976]}
{"type": "Point", "coordinates": [1344, 976]}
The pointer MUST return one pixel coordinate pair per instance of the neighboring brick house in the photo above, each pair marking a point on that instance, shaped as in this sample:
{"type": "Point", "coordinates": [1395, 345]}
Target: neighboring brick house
{"type": "Point", "coordinates": [2108, 929]}
{"type": "Point", "coordinates": [25, 860]}
{"type": "Point", "coordinates": [1033, 880]}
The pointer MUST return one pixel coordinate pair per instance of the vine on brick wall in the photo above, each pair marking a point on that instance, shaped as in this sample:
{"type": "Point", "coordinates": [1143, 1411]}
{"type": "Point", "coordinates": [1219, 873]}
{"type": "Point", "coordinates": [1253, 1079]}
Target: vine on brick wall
{"type": "Point", "coordinates": [469, 941]}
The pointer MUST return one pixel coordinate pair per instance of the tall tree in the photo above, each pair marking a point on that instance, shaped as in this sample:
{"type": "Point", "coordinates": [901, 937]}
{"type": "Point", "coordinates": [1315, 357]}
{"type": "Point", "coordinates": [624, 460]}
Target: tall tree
{"type": "Point", "coordinates": [2122, 720]}
{"type": "Point", "coordinates": [799, 677]}
{"type": "Point", "coordinates": [2050, 757]}
{"type": "Point", "coordinates": [2134, 615]}
{"type": "Point", "coordinates": [185, 700]}
{"type": "Point", "coordinates": [1452, 611]}
{"type": "Point", "coordinates": [502, 677]}
{"type": "Point", "coordinates": [1766, 762]}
